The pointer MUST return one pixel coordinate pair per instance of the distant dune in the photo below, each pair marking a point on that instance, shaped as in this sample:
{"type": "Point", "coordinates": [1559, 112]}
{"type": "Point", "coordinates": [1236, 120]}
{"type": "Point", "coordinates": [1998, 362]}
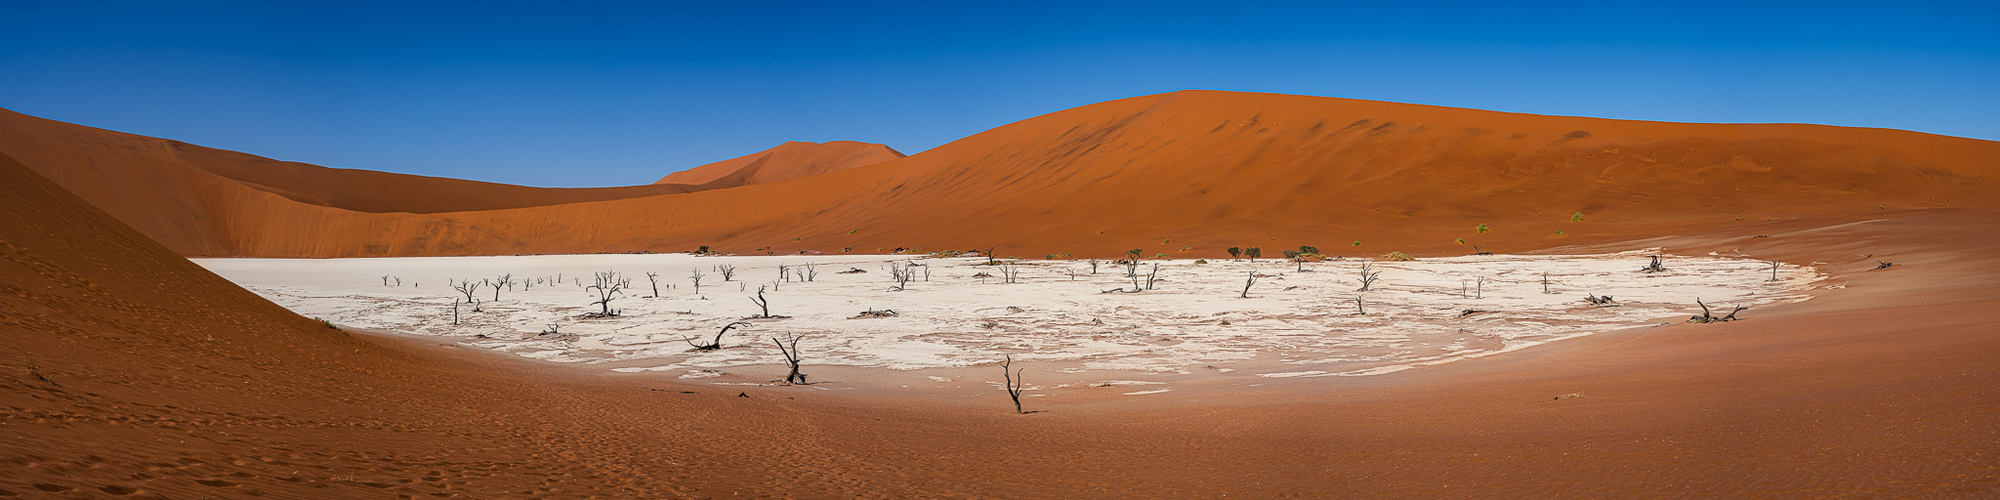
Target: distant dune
{"type": "Point", "coordinates": [1203, 170]}
{"type": "Point", "coordinates": [785, 162]}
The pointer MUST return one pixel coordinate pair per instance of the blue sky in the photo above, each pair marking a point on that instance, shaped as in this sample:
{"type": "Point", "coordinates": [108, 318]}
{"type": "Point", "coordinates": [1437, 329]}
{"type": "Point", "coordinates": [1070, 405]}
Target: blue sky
{"type": "Point", "coordinates": [600, 94]}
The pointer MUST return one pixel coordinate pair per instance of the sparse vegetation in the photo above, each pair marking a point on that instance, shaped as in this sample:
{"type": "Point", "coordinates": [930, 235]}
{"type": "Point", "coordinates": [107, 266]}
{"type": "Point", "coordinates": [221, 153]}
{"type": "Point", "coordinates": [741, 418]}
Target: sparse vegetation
{"type": "Point", "coordinates": [1397, 256]}
{"type": "Point", "coordinates": [1235, 253]}
{"type": "Point", "coordinates": [1253, 253]}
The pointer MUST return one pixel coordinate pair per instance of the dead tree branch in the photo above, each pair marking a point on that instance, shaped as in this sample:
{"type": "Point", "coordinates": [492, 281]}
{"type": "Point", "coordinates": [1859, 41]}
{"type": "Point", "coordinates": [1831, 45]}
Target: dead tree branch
{"type": "Point", "coordinates": [1705, 317]}
{"type": "Point", "coordinates": [791, 354]}
{"type": "Point", "coordinates": [717, 343]}
{"type": "Point", "coordinates": [608, 288]}
{"type": "Point", "coordinates": [1654, 266]}
{"type": "Point", "coordinates": [1368, 277]}
{"type": "Point", "coordinates": [1014, 381]}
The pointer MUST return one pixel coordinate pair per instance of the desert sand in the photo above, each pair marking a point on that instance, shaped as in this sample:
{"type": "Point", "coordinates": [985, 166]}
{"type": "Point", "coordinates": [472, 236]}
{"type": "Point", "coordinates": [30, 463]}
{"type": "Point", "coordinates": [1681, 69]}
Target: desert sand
{"type": "Point", "coordinates": [1205, 169]}
{"type": "Point", "coordinates": [785, 162]}
{"type": "Point", "coordinates": [133, 372]}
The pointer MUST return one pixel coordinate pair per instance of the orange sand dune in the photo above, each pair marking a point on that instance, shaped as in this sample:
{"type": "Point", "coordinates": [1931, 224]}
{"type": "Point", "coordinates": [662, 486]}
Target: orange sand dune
{"type": "Point", "coordinates": [785, 162]}
{"type": "Point", "coordinates": [1202, 170]}
{"type": "Point", "coordinates": [133, 373]}
{"type": "Point", "coordinates": [192, 198]}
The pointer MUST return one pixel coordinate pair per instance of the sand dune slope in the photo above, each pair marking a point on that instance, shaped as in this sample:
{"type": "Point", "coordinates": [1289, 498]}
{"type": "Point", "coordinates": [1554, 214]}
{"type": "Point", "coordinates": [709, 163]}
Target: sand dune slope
{"type": "Point", "coordinates": [1186, 174]}
{"type": "Point", "coordinates": [1208, 170]}
{"type": "Point", "coordinates": [785, 162]}
{"type": "Point", "coordinates": [134, 373]}
{"type": "Point", "coordinates": [192, 198]}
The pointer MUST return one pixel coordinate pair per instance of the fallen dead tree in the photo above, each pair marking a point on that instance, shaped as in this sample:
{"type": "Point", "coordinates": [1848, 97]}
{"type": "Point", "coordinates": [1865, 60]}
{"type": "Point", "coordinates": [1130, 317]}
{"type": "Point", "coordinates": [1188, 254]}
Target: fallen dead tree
{"type": "Point", "coordinates": [717, 343]}
{"type": "Point", "coordinates": [1705, 317]}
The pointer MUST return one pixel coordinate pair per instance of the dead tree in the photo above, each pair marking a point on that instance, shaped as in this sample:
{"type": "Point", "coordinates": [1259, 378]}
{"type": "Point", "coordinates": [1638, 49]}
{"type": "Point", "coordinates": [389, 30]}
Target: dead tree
{"type": "Point", "coordinates": [654, 278]}
{"type": "Point", "coordinates": [1479, 288]}
{"type": "Point", "coordinates": [1131, 268]}
{"type": "Point", "coordinates": [728, 272]}
{"type": "Point", "coordinates": [608, 288]}
{"type": "Point", "coordinates": [1883, 264]}
{"type": "Point", "coordinates": [504, 280]}
{"type": "Point", "coordinates": [399, 281]}
{"type": "Point", "coordinates": [1009, 273]}
{"type": "Point", "coordinates": [784, 273]}
{"type": "Point", "coordinates": [1774, 271]}
{"type": "Point", "coordinates": [811, 271]}
{"type": "Point", "coordinates": [1604, 301]}
{"type": "Point", "coordinates": [1014, 381]}
{"type": "Point", "coordinates": [1247, 284]}
{"type": "Point", "coordinates": [717, 343]}
{"type": "Point", "coordinates": [1298, 257]}
{"type": "Point", "coordinates": [1093, 265]}
{"type": "Point", "coordinates": [1153, 276]}
{"type": "Point", "coordinates": [1368, 277]}
{"type": "Point", "coordinates": [1655, 266]}
{"type": "Point", "coordinates": [1706, 318]}
{"type": "Point", "coordinates": [1358, 310]}
{"type": "Point", "coordinates": [385, 280]}
{"type": "Point", "coordinates": [791, 354]}
{"type": "Point", "coordinates": [988, 252]}
{"type": "Point", "coordinates": [762, 303]}
{"type": "Point", "coordinates": [1545, 282]}
{"type": "Point", "coordinates": [697, 275]}
{"type": "Point", "coordinates": [901, 275]}
{"type": "Point", "coordinates": [454, 311]}
{"type": "Point", "coordinates": [466, 287]}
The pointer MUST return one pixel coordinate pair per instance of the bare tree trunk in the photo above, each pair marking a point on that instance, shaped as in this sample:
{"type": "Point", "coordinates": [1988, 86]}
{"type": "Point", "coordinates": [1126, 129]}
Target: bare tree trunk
{"type": "Point", "coordinates": [791, 354]}
{"type": "Point", "coordinates": [762, 303]}
{"type": "Point", "coordinates": [1247, 284]}
{"type": "Point", "coordinates": [1014, 382]}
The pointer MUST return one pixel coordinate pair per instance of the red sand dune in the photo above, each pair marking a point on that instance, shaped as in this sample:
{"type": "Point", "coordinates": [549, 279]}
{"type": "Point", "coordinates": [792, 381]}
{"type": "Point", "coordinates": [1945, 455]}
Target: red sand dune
{"type": "Point", "coordinates": [195, 199]}
{"type": "Point", "coordinates": [131, 372]}
{"type": "Point", "coordinates": [1204, 169]}
{"type": "Point", "coordinates": [787, 161]}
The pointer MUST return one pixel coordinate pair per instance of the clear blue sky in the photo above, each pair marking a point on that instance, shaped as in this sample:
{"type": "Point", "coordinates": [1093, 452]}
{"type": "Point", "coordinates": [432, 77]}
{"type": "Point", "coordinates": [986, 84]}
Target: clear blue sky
{"type": "Point", "coordinates": [613, 94]}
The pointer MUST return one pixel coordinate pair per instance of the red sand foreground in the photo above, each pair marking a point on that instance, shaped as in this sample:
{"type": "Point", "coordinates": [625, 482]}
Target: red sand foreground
{"type": "Point", "coordinates": [131, 372]}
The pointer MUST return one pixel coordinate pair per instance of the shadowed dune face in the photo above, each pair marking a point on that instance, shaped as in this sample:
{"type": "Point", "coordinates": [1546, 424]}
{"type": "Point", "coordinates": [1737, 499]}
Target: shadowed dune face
{"type": "Point", "coordinates": [785, 162]}
{"type": "Point", "coordinates": [1206, 170]}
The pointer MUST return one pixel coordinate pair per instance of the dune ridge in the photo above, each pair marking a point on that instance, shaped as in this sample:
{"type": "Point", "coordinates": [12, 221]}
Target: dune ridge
{"type": "Point", "coordinates": [1203, 170]}
{"type": "Point", "coordinates": [784, 162]}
